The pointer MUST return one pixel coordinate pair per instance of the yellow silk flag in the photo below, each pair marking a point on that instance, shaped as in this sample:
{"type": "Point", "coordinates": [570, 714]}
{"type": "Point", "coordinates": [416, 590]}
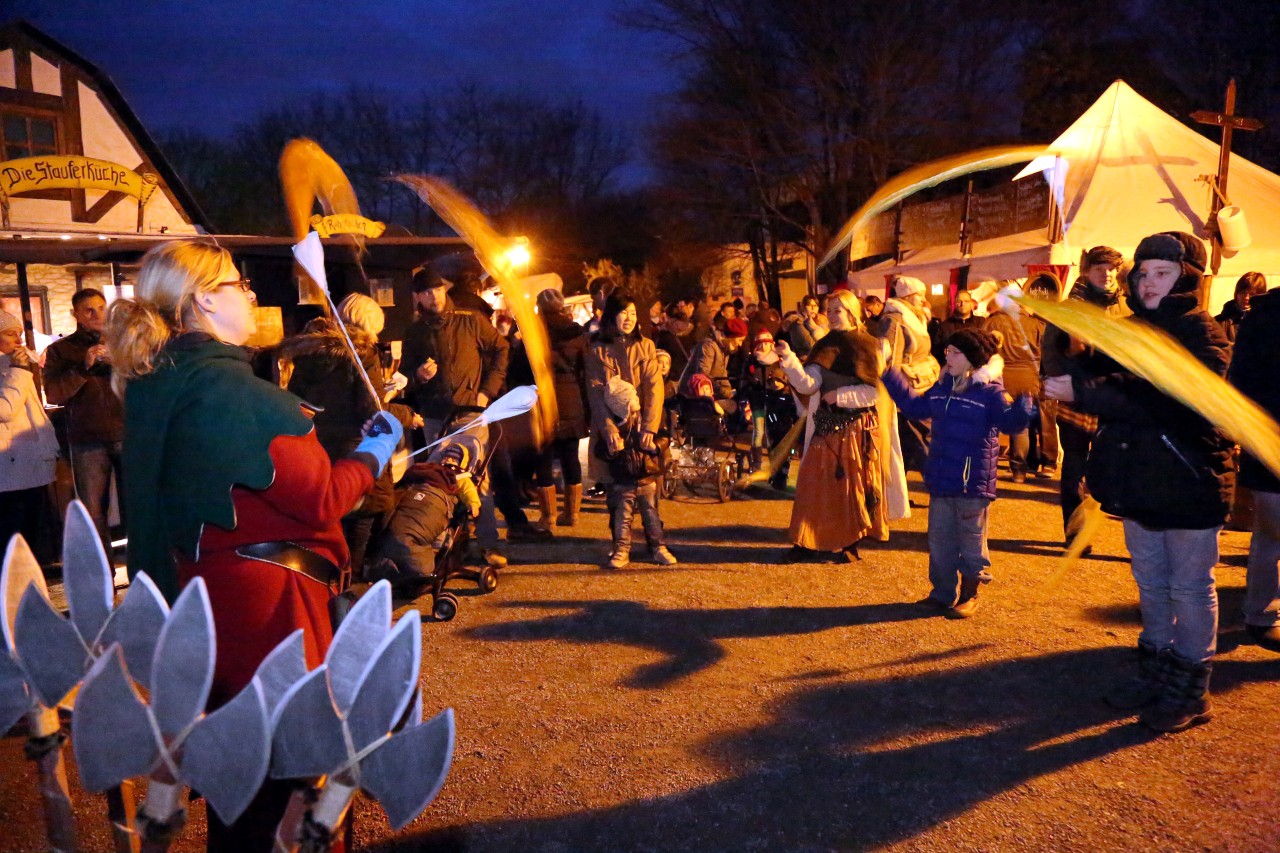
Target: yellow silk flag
{"type": "Point", "coordinates": [460, 214]}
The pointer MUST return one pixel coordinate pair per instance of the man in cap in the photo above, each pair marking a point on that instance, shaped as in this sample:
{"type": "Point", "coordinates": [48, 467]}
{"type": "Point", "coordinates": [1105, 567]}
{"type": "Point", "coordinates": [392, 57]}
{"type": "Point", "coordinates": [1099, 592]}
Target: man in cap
{"type": "Point", "coordinates": [1062, 355]}
{"type": "Point", "coordinates": [456, 362]}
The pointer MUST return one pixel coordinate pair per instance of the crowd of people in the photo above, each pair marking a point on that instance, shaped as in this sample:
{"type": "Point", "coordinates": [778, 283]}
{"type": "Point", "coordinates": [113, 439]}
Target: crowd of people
{"type": "Point", "coordinates": [278, 503]}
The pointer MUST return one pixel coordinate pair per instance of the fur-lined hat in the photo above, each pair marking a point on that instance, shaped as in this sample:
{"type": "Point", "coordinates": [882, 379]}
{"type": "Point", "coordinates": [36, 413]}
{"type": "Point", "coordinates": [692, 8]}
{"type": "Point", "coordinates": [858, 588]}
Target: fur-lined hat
{"type": "Point", "coordinates": [1178, 247]}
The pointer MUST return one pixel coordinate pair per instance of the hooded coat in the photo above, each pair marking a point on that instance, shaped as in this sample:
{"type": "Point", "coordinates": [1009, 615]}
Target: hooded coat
{"type": "Point", "coordinates": [1154, 460]}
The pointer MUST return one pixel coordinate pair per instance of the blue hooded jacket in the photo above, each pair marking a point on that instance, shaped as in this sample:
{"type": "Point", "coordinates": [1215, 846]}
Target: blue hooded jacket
{"type": "Point", "coordinates": [964, 443]}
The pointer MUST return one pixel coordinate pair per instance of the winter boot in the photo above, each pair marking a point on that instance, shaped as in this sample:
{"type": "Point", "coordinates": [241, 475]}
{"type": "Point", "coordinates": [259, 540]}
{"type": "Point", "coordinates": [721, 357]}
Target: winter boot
{"type": "Point", "coordinates": [1184, 695]}
{"type": "Point", "coordinates": [572, 504]}
{"type": "Point", "coordinates": [967, 605]}
{"type": "Point", "coordinates": [1141, 688]}
{"type": "Point", "coordinates": [546, 509]}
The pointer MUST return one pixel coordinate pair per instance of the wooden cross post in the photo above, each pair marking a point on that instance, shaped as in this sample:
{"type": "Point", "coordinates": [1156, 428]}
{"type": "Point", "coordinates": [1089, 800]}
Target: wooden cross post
{"type": "Point", "coordinates": [1228, 121]}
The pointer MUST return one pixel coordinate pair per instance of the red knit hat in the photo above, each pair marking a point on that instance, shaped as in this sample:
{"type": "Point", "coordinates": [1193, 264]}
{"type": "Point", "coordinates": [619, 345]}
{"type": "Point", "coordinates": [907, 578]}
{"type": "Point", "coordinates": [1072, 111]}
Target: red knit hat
{"type": "Point", "coordinates": [735, 327]}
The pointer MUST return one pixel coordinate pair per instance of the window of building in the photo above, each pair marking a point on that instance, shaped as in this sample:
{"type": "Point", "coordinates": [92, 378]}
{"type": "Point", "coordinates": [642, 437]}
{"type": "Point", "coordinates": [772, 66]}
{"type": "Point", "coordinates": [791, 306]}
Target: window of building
{"type": "Point", "coordinates": [27, 135]}
{"type": "Point", "coordinates": [39, 305]}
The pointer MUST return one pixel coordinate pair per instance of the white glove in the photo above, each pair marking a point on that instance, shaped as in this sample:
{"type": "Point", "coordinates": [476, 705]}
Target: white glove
{"type": "Point", "coordinates": [381, 438]}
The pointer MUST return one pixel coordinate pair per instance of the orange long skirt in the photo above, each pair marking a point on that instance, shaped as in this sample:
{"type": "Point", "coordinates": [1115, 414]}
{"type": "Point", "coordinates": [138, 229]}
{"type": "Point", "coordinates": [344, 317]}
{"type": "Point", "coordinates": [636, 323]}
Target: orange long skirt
{"type": "Point", "coordinates": [840, 490]}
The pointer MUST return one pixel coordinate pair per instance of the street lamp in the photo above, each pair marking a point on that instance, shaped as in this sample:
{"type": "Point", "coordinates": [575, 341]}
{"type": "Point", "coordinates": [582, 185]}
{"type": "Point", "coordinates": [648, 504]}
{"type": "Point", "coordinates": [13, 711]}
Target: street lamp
{"type": "Point", "coordinates": [518, 256]}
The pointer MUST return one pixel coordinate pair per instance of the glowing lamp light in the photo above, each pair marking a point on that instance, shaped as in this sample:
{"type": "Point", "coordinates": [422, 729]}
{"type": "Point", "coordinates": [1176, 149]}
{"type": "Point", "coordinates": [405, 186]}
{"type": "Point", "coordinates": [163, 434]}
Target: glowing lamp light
{"type": "Point", "coordinates": [937, 289]}
{"type": "Point", "coordinates": [518, 256]}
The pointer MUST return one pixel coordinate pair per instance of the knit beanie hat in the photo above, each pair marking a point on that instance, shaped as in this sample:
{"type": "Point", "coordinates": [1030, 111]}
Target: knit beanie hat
{"type": "Point", "coordinates": [905, 285]}
{"type": "Point", "coordinates": [977, 345]}
{"type": "Point", "coordinates": [456, 455]}
{"type": "Point", "coordinates": [735, 327]}
{"type": "Point", "coordinates": [700, 385]}
{"type": "Point", "coordinates": [1177, 246]}
{"type": "Point", "coordinates": [359, 310]}
{"type": "Point", "coordinates": [8, 321]}
{"type": "Point", "coordinates": [764, 336]}
{"type": "Point", "coordinates": [620, 397]}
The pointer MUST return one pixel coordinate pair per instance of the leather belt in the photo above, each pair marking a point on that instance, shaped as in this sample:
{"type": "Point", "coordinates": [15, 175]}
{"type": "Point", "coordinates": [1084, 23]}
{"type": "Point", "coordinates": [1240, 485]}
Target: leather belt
{"type": "Point", "coordinates": [295, 558]}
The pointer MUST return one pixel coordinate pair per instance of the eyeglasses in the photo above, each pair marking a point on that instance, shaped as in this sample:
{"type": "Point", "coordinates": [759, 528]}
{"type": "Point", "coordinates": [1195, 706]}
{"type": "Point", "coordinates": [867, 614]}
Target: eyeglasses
{"type": "Point", "coordinates": [245, 284]}
{"type": "Point", "coordinates": [950, 351]}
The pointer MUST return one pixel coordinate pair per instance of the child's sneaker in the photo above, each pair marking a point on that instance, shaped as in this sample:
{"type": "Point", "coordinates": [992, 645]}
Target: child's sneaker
{"type": "Point", "coordinates": [619, 559]}
{"type": "Point", "coordinates": [663, 557]}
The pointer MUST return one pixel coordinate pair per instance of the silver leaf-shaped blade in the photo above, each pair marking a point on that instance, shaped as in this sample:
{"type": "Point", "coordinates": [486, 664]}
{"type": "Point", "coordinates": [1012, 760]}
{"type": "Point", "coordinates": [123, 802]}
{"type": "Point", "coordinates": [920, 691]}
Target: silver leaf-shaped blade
{"type": "Point", "coordinates": [280, 670]}
{"type": "Point", "coordinates": [388, 684]}
{"type": "Point", "coordinates": [21, 569]}
{"type": "Point", "coordinates": [360, 633]}
{"type": "Point", "coordinates": [405, 773]}
{"type": "Point", "coordinates": [414, 715]}
{"type": "Point", "coordinates": [182, 671]}
{"type": "Point", "coordinates": [307, 734]}
{"type": "Point", "coordinates": [49, 649]}
{"type": "Point", "coordinates": [136, 625]}
{"type": "Point", "coordinates": [86, 573]}
{"type": "Point", "coordinates": [225, 757]}
{"type": "Point", "coordinates": [110, 732]}
{"type": "Point", "coordinates": [15, 698]}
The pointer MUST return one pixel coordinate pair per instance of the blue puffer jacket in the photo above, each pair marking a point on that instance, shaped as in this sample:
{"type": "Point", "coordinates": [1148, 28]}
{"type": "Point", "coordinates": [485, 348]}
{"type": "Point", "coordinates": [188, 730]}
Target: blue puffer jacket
{"type": "Point", "coordinates": [964, 444]}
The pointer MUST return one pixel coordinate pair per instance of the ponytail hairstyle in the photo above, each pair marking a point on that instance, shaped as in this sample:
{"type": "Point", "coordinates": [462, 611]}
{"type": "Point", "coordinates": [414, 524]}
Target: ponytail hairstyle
{"type": "Point", "coordinates": [163, 304]}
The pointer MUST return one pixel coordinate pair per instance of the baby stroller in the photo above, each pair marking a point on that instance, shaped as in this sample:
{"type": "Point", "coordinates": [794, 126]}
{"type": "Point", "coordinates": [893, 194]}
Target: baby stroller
{"type": "Point", "coordinates": [449, 547]}
{"type": "Point", "coordinates": [708, 447]}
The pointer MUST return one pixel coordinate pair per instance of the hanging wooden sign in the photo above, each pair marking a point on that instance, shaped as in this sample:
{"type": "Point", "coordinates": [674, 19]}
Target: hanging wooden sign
{"type": "Point", "coordinates": [346, 223]}
{"type": "Point", "coordinates": [72, 172]}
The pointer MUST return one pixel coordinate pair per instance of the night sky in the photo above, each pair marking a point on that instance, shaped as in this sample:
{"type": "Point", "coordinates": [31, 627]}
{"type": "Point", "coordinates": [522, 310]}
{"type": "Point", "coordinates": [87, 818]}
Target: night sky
{"type": "Point", "coordinates": [211, 64]}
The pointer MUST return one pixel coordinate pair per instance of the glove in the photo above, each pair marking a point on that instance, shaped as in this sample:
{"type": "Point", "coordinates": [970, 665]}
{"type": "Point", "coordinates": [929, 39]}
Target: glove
{"type": "Point", "coordinates": [381, 438]}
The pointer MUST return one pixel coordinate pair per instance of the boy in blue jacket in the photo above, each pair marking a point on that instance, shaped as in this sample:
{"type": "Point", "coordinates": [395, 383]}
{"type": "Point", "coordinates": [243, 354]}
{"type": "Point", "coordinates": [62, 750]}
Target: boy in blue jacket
{"type": "Point", "coordinates": [969, 409]}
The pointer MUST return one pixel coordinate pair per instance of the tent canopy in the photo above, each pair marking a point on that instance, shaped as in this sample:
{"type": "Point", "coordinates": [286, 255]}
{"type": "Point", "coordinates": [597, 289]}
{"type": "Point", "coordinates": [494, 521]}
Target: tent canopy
{"type": "Point", "coordinates": [1123, 170]}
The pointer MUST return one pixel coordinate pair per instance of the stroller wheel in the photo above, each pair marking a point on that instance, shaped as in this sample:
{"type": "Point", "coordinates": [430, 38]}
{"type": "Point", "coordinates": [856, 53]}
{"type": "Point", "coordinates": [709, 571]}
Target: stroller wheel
{"type": "Point", "coordinates": [487, 579]}
{"type": "Point", "coordinates": [669, 483]}
{"type": "Point", "coordinates": [724, 482]}
{"type": "Point", "coordinates": [445, 607]}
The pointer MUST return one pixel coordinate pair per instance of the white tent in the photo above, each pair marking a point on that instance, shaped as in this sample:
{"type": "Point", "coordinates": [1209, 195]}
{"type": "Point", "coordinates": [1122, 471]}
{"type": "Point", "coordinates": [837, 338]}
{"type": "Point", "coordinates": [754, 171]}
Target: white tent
{"type": "Point", "coordinates": [1123, 170]}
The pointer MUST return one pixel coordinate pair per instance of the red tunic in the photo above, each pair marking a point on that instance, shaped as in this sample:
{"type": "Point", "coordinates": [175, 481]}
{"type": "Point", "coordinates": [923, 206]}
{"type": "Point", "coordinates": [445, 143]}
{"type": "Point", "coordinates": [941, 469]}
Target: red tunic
{"type": "Point", "coordinates": [255, 604]}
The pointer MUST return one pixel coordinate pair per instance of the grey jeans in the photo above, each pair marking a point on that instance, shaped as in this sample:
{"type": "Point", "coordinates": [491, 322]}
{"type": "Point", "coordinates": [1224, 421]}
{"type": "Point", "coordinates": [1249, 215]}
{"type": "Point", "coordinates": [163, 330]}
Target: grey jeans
{"type": "Point", "coordinates": [957, 545]}
{"type": "Point", "coordinates": [92, 466]}
{"type": "Point", "coordinates": [1262, 589]}
{"type": "Point", "coordinates": [1176, 592]}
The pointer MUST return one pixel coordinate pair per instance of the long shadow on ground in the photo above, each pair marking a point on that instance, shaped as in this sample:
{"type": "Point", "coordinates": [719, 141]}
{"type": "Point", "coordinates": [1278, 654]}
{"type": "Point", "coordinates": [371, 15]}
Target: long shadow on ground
{"type": "Point", "coordinates": [688, 637]}
{"type": "Point", "coordinates": [860, 765]}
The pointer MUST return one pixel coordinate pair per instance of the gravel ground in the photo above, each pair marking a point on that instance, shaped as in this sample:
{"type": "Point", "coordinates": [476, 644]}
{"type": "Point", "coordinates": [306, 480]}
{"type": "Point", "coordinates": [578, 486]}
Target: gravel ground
{"type": "Point", "coordinates": [733, 703]}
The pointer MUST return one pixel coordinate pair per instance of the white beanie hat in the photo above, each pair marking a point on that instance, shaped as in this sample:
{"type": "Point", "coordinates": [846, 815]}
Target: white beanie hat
{"type": "Point", "coordinates": [620, 397]}
{"type": "Point", "coordinates": [905, 285]}
{"type": "Point", "coordinates": [8, 321]}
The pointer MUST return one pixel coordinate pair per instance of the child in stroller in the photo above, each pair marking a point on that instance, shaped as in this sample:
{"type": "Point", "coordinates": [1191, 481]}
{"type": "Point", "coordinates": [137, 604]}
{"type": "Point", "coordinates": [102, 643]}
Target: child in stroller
{"type": "Point", "coordinates": [713, 444]}
{"type": "Point", "coordinates": [429, 525]}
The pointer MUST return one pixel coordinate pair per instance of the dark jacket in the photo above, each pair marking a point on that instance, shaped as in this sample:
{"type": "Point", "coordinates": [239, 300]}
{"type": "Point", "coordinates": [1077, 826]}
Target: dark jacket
{"type": "Point", "coordinates": [1062, 355]}
{"type": "Point", "coordinates": [709, 359]}
{"type": "Point", "coordinates": [94, 412]}
{"type": "Point", "coordinates": [319, 369]}
{"type": "Point", "coordinates": [471, 358]}
{"type": "Point", "coordinates": [1230, 318]}
{"type": "Point", "coordinates": [1154, 460]}
{"type": "Point", "coordinates": [1255, 371]}
{"type": "Point", "coordinates": [568, 343]}
{"type": "Point", "coordinates": [965, 443]}
{"type": "Point", "coordinates": [949, 327]}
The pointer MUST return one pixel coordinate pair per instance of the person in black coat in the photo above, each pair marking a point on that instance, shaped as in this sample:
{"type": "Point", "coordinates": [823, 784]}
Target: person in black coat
{"type": "Point", "coordinates": [568, 342]}
{"type": "Point", "coordinates": [1255, 365]}
{"type": "Point", "coordinates": [1170, 475]}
